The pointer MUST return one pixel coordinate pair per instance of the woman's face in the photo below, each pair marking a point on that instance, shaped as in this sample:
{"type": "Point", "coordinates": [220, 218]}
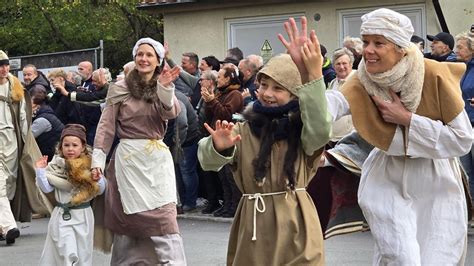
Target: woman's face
{"type": "Point", "coordinates": [146, 60]}
{"type": "Point", "coordinates": [72, 147]}
{"type": "Point", "coordinates": [98, 81]}
{"type": "Point", "coordinates": [462, 51]}
{"type": "Point", "coordinates": [380, 54]}
{"type": "Point", "coordinates": [55, 81]}
{"type": "Point", "coordinates": [203, 66]}
{"type": "Point", "coordinates": [343, 66]}
{"type": "Point", "coordinates": [221, 80]}
{"type": "Point", "coordinates": [271, 94]}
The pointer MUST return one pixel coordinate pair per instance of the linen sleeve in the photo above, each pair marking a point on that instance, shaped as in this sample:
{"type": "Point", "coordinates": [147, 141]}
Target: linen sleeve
{"type": "Point", "coordinates": [316, 119]}
{"type": "Point", "coordinates": [428, 138]}
{"type": "Point", "coordinates": [105, 135]}
{"type": "Point", "coordinates": [42, 181]}
{"type": "Point", "coordinates": [337, 104]}
{"type": "Point", "coordinates": [209, 158]}
{"type": "Point", "coordinates": [169, 104]}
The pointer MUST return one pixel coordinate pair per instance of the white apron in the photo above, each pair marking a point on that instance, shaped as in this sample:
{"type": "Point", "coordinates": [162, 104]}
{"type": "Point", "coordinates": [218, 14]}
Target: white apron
{"type": "Point", "coordinates": [145, 175]}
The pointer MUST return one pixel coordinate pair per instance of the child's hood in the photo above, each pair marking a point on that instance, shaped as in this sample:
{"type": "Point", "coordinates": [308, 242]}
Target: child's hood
{"type": "Point", "coordinates": [282, 70]}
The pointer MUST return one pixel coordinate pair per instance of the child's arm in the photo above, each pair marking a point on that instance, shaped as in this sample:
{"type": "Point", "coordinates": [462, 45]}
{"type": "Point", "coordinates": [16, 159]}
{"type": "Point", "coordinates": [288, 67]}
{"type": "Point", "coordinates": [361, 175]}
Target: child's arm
{"type": "Point", "coordinates": [102, 184]}
{"type": "Point", "coordinates": [306, 53]}
{"type": "Point", "coordinates": [218, 149]}
{"type": "Point", "coordinates": [41, 179]}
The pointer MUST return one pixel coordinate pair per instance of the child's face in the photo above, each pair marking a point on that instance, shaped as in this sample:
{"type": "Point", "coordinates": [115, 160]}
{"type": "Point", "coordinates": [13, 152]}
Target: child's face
{"type": "Point", "coordinates": [271, 94]}
{"type": "Point", "coordinates": [72, 147]}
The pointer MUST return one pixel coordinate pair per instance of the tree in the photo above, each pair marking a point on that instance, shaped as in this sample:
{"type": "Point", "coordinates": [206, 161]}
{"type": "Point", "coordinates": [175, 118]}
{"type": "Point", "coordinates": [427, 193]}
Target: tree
{"type": "Point", "coordinates": [37, 26]}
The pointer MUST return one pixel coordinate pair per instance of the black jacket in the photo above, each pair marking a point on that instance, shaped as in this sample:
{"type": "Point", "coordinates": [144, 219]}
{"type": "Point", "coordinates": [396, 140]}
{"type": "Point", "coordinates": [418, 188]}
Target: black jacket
{"type": "Point", "coordinates": [40, 81]}
{"type": "Point", "coordinates": [47, 140]}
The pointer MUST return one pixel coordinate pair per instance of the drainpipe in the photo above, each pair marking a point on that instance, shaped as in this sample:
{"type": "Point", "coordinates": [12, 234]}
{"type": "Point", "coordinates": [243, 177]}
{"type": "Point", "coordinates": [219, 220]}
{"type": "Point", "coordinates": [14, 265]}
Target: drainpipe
{"type": "Point", "coordinates": [439, 14]}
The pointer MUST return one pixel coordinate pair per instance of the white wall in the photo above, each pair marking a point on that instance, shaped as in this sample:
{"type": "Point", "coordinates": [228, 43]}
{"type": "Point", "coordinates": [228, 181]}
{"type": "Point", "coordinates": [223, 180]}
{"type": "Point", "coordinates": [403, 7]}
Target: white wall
{"type": "Point", "coordinates": [205, 33]}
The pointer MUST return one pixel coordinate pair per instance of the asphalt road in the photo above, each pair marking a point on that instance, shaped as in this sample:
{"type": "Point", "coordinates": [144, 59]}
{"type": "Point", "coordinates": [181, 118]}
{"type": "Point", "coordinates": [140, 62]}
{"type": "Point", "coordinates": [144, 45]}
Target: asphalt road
{"type": "Point", "coordinates": [205, 244]}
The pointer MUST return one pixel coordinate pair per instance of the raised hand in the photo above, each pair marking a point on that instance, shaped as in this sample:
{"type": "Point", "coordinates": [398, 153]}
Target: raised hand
{"type": "Point", "coordinates": [42, 162]}
{"type": "Point", "coordinates": [207, 95]}
{"type": "Point", "coordinates": [167, 50]}
{"type": "Point", "coordinates": [394, 111]}
{"type": "Point", "coordinates": [96, 172]}
{"type": "Point", "coordinates": [312, 57]}
{"type": "Point", "coordinates": [246, 93]}
{"type": "Point", "coordinates": [222, 136]}
{"type": "Point", "coordinates": [167, 76]}
{"type": "Point", "coordinates": [296, 41]}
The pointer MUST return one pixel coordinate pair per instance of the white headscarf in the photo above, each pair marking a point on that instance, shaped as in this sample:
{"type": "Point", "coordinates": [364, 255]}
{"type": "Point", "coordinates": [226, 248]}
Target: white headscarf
{"type": "Point", "coordinates": [159, 49]}
{"type": "Point", "coordinates": [394, 26]}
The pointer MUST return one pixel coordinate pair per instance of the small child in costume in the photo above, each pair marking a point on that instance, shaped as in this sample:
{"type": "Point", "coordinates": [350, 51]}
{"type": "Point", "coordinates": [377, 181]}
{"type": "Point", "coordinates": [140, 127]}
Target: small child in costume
{"type": "Point", "coordinates": [71, 227]}
{"type": "Point", "coordinates": [273, 155]}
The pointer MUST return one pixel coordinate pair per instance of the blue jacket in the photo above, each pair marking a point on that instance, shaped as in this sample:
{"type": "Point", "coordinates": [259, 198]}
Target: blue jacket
{"type": "Point", "coordinates": [467, 87]}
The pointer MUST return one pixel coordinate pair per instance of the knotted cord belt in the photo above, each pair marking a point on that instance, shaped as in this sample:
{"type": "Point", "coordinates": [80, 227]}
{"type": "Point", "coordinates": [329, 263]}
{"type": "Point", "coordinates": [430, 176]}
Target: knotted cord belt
{"type": "Point", "coordinates": [67, 207]}
{"type": "Point", "coordinates": [151, 145]}
{"type": "Point", "coordinates": [259, 205]}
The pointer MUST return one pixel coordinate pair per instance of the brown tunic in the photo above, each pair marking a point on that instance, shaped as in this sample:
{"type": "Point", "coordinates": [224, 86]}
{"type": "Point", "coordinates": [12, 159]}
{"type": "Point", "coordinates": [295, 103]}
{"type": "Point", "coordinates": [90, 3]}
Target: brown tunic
{"type": "Point", "coordinates": [133, 119]}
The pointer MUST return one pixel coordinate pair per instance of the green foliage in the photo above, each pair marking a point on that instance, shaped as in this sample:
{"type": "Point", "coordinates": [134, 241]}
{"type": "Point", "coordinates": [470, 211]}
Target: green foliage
{"type": "Point", "coordinates": [39, 26]}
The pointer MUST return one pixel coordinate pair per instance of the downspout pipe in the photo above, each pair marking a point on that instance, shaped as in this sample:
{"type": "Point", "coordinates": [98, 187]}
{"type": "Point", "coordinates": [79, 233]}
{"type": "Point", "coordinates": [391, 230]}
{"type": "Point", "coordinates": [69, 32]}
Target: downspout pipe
{"type": "Point", "coordinates": [439, 14]}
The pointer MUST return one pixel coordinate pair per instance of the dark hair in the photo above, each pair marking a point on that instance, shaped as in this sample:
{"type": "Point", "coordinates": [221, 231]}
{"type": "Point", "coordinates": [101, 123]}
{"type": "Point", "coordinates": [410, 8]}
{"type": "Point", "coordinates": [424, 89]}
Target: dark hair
{"type": "Point", "coordinates": [323, 50]}
{"type": "Point", "coordinates": [235, 53]}
{"type": "Point", "coordinates": [213, 62]}
{"type": "Point", "coordinates": [38, 95]}
{"type": "Point", "coordinates": [231, 73]}
{"type": "Point", "coordinates": [417, 39]}
{"type": "Point", "coordinates": [194, 58]}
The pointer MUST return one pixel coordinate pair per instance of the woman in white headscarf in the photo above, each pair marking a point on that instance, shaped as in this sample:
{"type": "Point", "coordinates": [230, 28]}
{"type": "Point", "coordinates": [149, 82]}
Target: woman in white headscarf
{"type": "Point", "coordinates": [411, 110]}
{"type": "Point", "coordinates": [140, 206]}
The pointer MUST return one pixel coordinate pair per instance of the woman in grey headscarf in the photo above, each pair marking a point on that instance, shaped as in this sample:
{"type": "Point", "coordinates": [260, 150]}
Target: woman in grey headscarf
{"type": "Point", "coordinates": [411, 110]}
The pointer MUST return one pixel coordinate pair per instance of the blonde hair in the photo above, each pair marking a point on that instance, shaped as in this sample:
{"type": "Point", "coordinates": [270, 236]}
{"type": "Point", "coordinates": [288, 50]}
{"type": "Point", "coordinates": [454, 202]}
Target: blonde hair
{"type": "Point", "coordinates": [102, 73]}
{"type": "Point", "coordinates": [58, 72]}
{"type": "Point", "coordinates": [353, 42]}
{"type": "Point", "coordinates": [468, 37]}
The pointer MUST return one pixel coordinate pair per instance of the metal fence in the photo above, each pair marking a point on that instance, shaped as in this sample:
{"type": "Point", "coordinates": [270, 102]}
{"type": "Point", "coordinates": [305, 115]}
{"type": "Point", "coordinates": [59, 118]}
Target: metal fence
{"type": "Point", "coordinates": [66, 59]}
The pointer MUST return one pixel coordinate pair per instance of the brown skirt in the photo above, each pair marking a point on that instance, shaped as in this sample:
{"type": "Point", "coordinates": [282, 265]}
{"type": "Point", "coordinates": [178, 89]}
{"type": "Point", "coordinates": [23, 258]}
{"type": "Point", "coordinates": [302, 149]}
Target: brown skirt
{"type": "Point", "coordinates": [157, 222]}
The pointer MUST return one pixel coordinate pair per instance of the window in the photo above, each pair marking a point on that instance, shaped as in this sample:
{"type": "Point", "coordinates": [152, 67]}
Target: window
{"type": "Point", "coordinates": [249, 34]}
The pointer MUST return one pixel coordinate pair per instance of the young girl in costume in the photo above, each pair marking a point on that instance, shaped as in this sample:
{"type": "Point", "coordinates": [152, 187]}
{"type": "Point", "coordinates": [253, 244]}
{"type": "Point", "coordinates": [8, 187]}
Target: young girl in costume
{"type": "Point", "coordinates": [273, 155]}
{"type": "Point", "coordinates": [71, 227]}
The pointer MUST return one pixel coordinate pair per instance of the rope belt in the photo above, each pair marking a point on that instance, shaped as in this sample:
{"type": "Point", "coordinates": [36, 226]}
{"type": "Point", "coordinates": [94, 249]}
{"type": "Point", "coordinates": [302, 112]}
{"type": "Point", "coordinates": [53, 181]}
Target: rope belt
{"type": "Point", "coordinates": [259, 205]}
{"type": "Point", "coordinates": [150, 146]}
{"type": "Point", "coordinates": [67, 207]}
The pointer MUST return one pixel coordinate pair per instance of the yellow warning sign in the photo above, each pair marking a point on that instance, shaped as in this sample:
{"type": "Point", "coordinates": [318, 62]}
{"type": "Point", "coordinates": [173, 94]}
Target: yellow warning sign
{"type": "Point", "coordinates": [266, 46]}
{"type": "Point", "coordinates": [266, 51]}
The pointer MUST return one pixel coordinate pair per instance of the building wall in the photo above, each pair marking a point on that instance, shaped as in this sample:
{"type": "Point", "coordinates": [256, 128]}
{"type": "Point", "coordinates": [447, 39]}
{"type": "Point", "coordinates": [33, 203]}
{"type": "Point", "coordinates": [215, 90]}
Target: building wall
{"type": "Point", "coordinates": [459, 16]}
{"type": "Point", "coordinates": [205, 33]}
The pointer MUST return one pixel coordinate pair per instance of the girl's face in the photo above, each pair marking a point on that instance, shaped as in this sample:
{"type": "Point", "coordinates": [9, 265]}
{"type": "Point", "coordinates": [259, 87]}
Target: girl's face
{"type": "Point", "coordinates": [271, 94]}
{"type": "Point", "coordinates": [380, 54]}
{"type": "Point", "coordinates": [221, 80]}
{"type": "Point", "coordinates": [72, 147]}
{"type": "Point", "coordinates": [146, 60]}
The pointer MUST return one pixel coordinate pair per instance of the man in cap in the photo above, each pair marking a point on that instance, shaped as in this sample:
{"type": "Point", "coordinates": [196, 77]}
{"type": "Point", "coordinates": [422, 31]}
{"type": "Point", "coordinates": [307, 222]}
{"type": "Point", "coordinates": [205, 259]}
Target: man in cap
{"type": "Point", "coordinates": [17, 154]}
{"type": "Point", "coordinates": [442, 45]}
